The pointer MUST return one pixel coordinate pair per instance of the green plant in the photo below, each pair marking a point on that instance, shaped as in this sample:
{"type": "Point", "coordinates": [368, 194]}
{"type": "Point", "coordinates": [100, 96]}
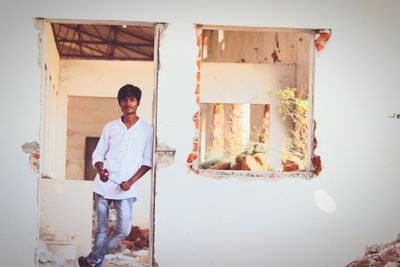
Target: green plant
{"type": "Point", "coordinates": [296, 109]}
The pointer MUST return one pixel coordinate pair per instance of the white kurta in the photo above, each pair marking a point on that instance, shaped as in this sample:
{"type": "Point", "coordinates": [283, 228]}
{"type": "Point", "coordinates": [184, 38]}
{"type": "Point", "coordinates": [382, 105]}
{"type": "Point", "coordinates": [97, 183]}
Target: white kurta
{"type": "Point", "coordinates": [123, 151]}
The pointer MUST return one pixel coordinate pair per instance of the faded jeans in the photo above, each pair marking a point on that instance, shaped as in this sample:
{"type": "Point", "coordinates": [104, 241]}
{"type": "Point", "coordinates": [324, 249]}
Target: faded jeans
{"type": "Point", "coordinates": [103, 245]}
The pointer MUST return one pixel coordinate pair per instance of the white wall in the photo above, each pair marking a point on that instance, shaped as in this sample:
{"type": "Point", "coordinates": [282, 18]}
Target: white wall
{"type": "Point", "coordinates": [59, 200]}
{"type": "Point", "coordinates": [49, 166]}
{"type": "Point", "coordinates": [205, 222]}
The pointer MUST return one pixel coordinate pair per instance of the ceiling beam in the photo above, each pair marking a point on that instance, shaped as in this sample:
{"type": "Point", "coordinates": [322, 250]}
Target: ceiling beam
{"type": "Point", "coordinates": [87, 41]}
{"type": "Point", "coordinates": [121, 45]}
{"type": "Point", "coordinates": [76, 56]}
{"type": "Point", "coordinates": [64, 40]}
{"type": "Point", "coordinates": [150, 41]}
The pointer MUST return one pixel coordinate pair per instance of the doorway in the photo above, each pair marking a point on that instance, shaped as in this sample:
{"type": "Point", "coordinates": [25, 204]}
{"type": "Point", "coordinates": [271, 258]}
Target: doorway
{"type": "Point", "coordinates": [84, 63]}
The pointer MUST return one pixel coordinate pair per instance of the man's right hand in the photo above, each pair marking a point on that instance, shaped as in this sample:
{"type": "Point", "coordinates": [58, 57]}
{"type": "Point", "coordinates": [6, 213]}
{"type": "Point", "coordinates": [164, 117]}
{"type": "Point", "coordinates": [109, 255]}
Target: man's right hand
{"type": "Point", "coordinates": [103, 173]}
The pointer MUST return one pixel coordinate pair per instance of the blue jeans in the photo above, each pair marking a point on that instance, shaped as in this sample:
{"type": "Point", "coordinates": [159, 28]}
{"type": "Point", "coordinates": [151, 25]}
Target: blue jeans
{"type": "Point", "coordinates": [103, 245]}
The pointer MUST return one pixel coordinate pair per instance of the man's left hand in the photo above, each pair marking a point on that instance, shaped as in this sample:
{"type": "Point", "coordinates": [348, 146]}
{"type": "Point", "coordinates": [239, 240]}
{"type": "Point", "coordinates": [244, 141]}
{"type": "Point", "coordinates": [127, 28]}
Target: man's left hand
{"type": "Point", "coordinates": [125, 185]}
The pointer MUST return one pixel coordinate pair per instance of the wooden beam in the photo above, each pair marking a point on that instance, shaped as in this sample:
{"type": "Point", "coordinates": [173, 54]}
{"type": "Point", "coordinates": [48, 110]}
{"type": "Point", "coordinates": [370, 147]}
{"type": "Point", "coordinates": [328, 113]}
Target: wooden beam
{"type": "Point", "coordinates": [102, 22]}
{"type": "Point", "coordinates": [253, 29]}
{"type": "Point", "coordinates": [150, 41]}
{"type": "Point", "coordinates": [64, 40]}
{"type": "Point", "coordinates": [91, 49]}
{"type": "Point", "coordinates": [121, 45]}
{"type": "Point", "coordinates": [79, 39]}
{"type": "Point", "coordinates": [75, 56]}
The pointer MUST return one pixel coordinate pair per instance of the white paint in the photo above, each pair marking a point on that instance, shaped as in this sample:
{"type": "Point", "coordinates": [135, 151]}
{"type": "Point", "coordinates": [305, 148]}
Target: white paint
{"type": "Point", "coordinates": [49, 165]}
{"type": "Point", "coordinates": [244, 83]}
{"type": "Point", "coordinates": [58, 209]}
{"type": "Point", "coordinates": [212, 221]}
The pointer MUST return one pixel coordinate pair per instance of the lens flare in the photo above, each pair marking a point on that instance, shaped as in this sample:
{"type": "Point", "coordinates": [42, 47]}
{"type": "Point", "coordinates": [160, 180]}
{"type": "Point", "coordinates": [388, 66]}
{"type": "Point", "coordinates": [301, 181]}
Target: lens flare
{"type": "Point", "coordinates": [324, 201]}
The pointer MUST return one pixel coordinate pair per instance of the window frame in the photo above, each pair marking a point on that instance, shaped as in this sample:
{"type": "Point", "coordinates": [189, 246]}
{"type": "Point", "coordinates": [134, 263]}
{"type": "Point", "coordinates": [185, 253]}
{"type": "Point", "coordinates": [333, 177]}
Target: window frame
{"type": "Point", "coordinates": [311, 170]}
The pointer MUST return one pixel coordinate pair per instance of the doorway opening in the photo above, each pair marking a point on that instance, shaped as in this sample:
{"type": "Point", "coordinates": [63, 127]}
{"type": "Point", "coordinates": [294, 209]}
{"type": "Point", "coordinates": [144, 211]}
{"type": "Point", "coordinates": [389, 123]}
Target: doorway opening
{"type": "Point", "coordinates": [84, 63]}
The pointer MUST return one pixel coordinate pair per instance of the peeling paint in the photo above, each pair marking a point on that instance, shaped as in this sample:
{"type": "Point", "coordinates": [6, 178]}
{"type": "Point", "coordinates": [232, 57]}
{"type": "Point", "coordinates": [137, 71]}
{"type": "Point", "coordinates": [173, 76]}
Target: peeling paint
{"type": "Point", "coordinates": [165, 156]}
{"type": "Point", "coordinates": [33, 149]}
{"type": "Point", "coordinates": [192, 160]}
{"type": "Point", "coordinates": [255, 175]}
{"type": "Point", "coordinates": [275, 57]}
{"type": "Point", "coordinates": [321, 38]}
{"type": "Point", "coordinates": [316, 165]}
{"type": "Point", "coordinates": [39, 25]}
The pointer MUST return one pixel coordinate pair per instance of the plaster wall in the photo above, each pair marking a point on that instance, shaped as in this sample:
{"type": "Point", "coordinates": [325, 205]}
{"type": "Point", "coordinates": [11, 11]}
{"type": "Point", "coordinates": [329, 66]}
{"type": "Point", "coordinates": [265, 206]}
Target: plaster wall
{"type": "Point", "coordinates": [86, 118]}
{"type": "Point", "coordinates": [50, 166]}
{"type": "Point", "coordinates": [251, 84]}
{"type": "Point", "coordinates": [58, 210]}
{"type": "Point", "coordinates": [231, 222]}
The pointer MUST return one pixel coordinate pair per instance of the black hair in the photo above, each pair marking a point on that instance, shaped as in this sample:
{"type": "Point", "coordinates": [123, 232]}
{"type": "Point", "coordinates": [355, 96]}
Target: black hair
{"type": "Point", "coordinates": [129, 90]}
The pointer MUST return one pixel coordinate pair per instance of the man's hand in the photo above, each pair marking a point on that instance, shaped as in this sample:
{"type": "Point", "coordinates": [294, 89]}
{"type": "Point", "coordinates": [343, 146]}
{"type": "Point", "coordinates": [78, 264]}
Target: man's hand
{"type": "Point", "coordinates": [103, 173]}
{"type": "Point", "coordinates": [126, 185]}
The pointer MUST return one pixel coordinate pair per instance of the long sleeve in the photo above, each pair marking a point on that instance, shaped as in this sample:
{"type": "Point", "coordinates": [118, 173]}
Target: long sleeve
{"type": "Point", "coordinates": [101, 148]}
{"type": "Point", "coordinates": [148, 151]}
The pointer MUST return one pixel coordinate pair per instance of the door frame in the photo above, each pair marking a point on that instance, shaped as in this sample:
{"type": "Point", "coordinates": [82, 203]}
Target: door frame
{"type": "Point", "coordinates": [159, 28]}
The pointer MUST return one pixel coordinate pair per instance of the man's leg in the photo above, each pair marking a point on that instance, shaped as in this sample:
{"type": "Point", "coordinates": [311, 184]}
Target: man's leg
{"type": "Point", "coordinates": [102, 207]}
{"type": "Point", "coordinates": [123, 208]}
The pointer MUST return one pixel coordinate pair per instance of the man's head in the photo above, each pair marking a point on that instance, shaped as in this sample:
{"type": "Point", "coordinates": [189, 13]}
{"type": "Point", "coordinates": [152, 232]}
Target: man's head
{"type": "Point", "coordinates": [129, 98]}
{"type": "Point", "coordinates": [129, 90]}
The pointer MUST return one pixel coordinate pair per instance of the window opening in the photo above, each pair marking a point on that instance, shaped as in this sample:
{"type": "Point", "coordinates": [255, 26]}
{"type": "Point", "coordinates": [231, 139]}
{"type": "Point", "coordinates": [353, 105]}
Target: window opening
{"type": "Point", "coordinates": [255, 96]}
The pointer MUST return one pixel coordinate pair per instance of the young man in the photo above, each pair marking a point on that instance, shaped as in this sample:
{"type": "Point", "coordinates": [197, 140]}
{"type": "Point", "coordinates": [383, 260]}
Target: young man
{"type": "Point", "coordinates": [122, 156]}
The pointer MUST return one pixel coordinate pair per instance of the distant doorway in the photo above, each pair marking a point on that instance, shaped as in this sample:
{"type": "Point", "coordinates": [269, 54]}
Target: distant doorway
{"type": "Point", "coordinates": [90, 145]}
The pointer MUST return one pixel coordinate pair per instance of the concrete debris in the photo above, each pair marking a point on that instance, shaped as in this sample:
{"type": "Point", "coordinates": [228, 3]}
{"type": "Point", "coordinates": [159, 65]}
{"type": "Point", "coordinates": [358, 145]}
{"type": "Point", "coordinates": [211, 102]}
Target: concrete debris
{"type": "Point", "coordinates": [138, 238]}
{"type": "Point", "coordinates": [125, 259]}
{"type": "Point", "coordinates": [121, 260]}
{"type": "Point", "coordinates": [380, 255]}
{"type": "Point", "coordinates": [49, 259]}
{"type": "Point", "coordinates": [48, 233]}
{"type": "Point", "coordinates": [165, 156]}
{"type": "Point", "coordinates": [33, 150]}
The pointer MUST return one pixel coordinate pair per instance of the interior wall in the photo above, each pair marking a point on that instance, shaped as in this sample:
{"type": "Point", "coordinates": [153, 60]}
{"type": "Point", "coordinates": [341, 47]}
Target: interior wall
{"type": "Point", "coordinates": [100, 78]}
{"type": "Point", "coordinates": [50, 166]}
{"type": "Point", "coordinates": [251, 84]}
{"type": "Point", "coordinates": [232, 46]}
{"type": "Point", "coordinates": [86, 118]}
{"type": "Point", "coordinates": [231, 222]}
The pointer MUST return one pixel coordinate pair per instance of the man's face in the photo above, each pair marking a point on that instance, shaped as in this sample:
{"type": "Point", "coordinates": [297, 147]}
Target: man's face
{"type": "Point", "coordinates": [129, 105]}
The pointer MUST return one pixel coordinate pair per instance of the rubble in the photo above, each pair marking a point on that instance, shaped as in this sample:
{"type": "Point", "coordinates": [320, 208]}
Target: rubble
{"type": "Point", "coordinates": [138, 239]}
{"type": "Point", "coordinates": [121, 260]}
{"type": "Point", "coordinates": [33, 149]}
{"type": "Point", "coordinates": [49, 259]}
{"type": "Point", "coordinates": [380, 255]}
